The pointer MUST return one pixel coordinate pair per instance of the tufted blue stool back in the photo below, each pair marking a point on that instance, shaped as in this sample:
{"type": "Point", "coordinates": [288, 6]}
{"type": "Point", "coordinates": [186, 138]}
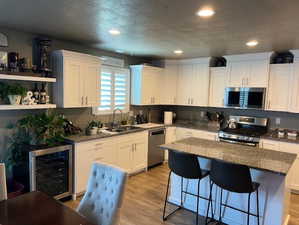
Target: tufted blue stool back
{"type": "Point", "coordinates": [103, 198]}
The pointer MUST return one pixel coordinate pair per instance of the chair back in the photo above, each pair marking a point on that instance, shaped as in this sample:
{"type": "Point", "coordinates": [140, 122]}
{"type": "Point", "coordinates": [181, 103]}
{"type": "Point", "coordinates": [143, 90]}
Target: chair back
{"type": "Point", "coordinates": [3, 188]}
{"type": "Point", "coordinates": [184, 165]}
{"type": "Point", "coordinates": [231, 177]}
{"type": "Point", "coordinates": [103, 198]}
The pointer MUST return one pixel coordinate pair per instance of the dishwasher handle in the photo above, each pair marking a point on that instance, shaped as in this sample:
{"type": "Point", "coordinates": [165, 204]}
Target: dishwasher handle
{"type": "Point", "coordinates": [157, 132]}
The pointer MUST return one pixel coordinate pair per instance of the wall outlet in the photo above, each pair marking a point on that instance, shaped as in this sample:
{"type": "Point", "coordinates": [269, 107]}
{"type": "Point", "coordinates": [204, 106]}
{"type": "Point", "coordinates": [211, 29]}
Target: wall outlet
{"type": "Point", "coordinates": [277, 121]}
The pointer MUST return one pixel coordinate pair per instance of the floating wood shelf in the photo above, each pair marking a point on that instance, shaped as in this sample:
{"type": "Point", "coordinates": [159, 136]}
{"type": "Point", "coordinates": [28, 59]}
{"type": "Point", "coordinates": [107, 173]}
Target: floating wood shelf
{"type": "Point", "coordinates": [18, 107]}
{"type": "Point", "coordinates": [26, 78]}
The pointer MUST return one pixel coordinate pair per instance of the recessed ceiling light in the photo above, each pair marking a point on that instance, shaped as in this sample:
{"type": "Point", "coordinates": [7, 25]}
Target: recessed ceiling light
{"type": "Point", "coordinates": [114, 32]}
{"type": "Point", "coordinates": [252, 43]}
{"type": "Point", "coordinates": [206, 12]}
{"type": "Point", "coordinates": [119, 51]}
{"type": "Point", "coordinates": [178, 52]}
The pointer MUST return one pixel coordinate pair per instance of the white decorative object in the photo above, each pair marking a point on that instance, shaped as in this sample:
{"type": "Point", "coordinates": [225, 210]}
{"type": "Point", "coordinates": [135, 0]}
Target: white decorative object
{"type": "Point", "coordinates": [3, 58]}
{"type": "Point", "coordinates": [28, 100]}
{"type": "Point", "coordinates": [15, 99]}
{"type": "Point", "coordinates": [3, 40]}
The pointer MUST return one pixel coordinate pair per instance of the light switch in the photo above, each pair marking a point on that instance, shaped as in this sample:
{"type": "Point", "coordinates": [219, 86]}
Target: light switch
{"type": "Point", "coordinates": [277, 121]}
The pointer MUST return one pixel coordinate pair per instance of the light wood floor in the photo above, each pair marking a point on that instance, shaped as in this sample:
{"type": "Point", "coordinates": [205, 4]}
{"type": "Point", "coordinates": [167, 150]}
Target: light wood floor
{"type": "Point", "coordinates": [144, 198]}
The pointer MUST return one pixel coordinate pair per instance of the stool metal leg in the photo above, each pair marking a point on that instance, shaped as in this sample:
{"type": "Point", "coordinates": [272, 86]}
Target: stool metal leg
{"type": "Point", "coordinates": [164, 218]}
{"type": "Point", "coordinates": [257, 206]}
{"type": "Point", "coordinates": [182, 186]}
{"type": "Point", "coordinates": [210, 202]}
{"type": "Point", "coordinates": [220, 213]}
{"type": "Point", "coordinates": [197, 204]}
{"type": "Point", "coordinates": [248, 213]}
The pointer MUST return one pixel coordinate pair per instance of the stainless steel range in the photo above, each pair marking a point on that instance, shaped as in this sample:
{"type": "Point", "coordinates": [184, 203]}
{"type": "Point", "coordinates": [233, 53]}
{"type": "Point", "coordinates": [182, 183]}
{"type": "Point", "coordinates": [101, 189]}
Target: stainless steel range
{"type": "Point", "coordinates": [244, 130]}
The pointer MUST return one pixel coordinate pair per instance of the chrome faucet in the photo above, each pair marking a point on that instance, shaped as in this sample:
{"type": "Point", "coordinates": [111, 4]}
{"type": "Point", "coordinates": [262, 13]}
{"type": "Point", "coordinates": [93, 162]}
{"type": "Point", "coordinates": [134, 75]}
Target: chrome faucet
{"type": "Point", "coordinates": [113, 118]}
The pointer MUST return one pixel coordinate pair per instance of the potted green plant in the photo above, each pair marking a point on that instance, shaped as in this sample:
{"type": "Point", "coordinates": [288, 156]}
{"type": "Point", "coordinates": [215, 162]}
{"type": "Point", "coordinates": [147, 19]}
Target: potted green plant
{"type": "Point", "coordinates": [13, 92]}
{"type": "Point", "coordinates": [35, 131]}
{"type": "Point", "coordinates": [92, 128]}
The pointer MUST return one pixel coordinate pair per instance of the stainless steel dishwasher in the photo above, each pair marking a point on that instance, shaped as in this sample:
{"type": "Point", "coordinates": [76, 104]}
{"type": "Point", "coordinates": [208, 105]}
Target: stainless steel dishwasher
{"type": "Point", "coordinates": [156, 137]}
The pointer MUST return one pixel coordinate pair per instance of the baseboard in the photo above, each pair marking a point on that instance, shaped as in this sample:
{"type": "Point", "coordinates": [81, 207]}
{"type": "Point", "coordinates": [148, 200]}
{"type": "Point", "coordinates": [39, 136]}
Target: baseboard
{"type": "Point", "coordinates": [286, 221]}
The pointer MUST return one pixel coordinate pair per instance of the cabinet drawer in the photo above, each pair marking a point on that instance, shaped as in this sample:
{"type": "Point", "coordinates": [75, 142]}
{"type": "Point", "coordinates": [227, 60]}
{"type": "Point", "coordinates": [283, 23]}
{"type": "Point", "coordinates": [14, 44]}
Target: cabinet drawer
{"type": "Point", "coordinates": [290, 148]}
{"type": "Point", "coordinates": [272, 145]}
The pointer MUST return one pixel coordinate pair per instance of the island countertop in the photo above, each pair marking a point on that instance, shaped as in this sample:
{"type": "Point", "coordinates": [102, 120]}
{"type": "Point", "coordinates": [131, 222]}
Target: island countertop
{"type": "Point", "coordinates": [257, 158]}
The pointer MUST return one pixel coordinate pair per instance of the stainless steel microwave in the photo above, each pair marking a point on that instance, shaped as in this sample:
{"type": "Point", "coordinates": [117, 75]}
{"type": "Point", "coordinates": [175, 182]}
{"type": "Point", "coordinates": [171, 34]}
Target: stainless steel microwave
{"type": "Point", "coordinates": [247, 98]}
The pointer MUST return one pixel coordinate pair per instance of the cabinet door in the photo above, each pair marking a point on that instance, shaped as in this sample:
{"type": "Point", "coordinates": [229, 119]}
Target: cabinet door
{"type": "Point", "coordinates": [293, 176]}
{"type": "Point", "coordinates": [139, 155]}
{"type": "Point", "coordinates": [238, 72]}
{"type": "Point", "coordinates": [199, 84]}
{"type": "Point", "coordinates": [168, 95]}
{"type": "Point", "coordinates": [183, 85]}
{"type": "Point", "coordinates": [83, 162]}
{"type": "Point", "coordinates": [150, 91]}
{"type": "Point", "coordinates": [91, 80]}
{"type": "Point", "coordinates": [125, 156]}
{"type": "Point", "coordinates": [294, 89]}
{"type": "Point", "coordinates": [72, 85]}
{"type": "Point", "coordinates": [218, 82]}
{"type": "Point", "coordinates": [268, 144]}
{"type": "Point", "coordinates": [258, 74]}
{"type": "Point", "coordinates": [169, 138]}
{"type": "Point", "coordinates": [279, 95]}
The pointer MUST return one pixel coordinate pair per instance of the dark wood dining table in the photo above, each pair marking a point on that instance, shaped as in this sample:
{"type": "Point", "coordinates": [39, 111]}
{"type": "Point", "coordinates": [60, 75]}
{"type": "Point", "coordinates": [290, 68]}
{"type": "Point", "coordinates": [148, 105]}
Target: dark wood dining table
{"type": "Point", "coordinates": [36, 208]}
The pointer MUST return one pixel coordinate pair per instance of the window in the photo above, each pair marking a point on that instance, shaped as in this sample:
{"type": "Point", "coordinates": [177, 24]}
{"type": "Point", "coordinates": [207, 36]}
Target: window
{"type": "Point", "coordinates": [114, 90]}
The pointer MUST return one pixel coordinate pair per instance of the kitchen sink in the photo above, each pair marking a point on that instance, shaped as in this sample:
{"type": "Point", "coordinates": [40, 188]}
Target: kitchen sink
{"type": "Point", "coordinates": [123, 129]}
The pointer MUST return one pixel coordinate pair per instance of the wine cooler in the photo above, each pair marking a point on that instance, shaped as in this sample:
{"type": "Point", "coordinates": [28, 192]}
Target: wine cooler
{"type": "Point", "coordinates": [51, 171]}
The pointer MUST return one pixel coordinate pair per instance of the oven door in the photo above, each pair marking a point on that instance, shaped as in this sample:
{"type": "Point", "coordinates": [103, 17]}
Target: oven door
{"type": "Point", "coordinates": [232, 97]}
{"type": "Point", "coordinates": [254, 98]}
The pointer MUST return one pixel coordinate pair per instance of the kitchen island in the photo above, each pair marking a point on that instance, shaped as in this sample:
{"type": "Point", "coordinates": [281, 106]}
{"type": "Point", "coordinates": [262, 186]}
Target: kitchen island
{"type": "Point", "coordinates": [269, 168]}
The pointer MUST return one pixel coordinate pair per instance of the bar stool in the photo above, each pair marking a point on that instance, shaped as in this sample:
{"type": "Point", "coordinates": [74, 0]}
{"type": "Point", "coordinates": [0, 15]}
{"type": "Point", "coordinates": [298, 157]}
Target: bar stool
{"type": "Point", "coordinates": [233, 178]}
{"type": "Point", "coordinates": [186, 166]}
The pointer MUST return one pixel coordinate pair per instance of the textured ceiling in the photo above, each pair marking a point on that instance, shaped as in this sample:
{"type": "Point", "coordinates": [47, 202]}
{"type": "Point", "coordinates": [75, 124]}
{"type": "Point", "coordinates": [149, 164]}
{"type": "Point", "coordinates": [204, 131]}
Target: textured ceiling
{"type": "Point", "coordinates": [157, 27]}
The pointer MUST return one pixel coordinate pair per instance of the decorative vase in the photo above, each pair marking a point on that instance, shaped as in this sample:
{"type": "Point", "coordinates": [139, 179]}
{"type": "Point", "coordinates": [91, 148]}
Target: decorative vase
{"type": "Point", "coordinates": [15, 99]}
{"type": "Point", "coordinates": [93, 131]}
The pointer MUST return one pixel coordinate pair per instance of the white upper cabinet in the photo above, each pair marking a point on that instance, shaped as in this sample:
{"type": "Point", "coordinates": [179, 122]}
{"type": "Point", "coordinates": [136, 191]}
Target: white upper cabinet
{"type": "Point", "coordinates": [218, 82]}
{"type": "Point", "coordinates": [248, 70]}
{"type": "Point", "coordinates": [294, 88]}
{"type": "Point", "coordinates": [78, 79]}
{"type": "Point", "coordinates": [169, 83]}
{"type": "Point", "coordinates": [145, 85]}
{"type": "Point", "coordinates": [193, 82]}
{"type": "Point", "coordinates": [279, 87]}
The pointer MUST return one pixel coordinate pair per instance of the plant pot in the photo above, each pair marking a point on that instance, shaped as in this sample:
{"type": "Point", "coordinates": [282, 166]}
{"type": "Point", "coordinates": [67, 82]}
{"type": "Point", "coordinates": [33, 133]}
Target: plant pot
{"type": "Point", "coordinates": [93, 131]}
{"type": "Point", "coordinates": [15, 99]}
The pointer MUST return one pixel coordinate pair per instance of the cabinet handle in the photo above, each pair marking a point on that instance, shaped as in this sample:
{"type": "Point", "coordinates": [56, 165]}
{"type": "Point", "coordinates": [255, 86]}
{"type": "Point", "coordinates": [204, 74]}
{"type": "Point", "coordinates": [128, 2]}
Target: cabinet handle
{"type": "Point", "coordinates": [98, 144]}
{"type": "Point", "coordinates": [191, 101]}
{"type": "Point", "coordinates": [82, 101]}
{"type": "Point", "coordinates": [86, 100]}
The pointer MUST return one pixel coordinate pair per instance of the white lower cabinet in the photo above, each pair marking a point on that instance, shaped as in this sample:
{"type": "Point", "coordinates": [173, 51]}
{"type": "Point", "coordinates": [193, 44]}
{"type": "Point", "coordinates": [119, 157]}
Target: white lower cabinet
{"type": "Point", "coordinates": [128, 152]}
{"type": "Point", "coordinates": [132, 152]}
{"type": "Point", "coordinates": [293, 176]}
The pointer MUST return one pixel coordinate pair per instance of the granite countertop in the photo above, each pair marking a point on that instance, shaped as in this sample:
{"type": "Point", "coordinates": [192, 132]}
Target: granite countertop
{"type": "Point", "coordinates": [257, 158]}
{"type": "Point", "coordinates": [82, 137]}
{"type": "Point", "coordinates": [272, 135]}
